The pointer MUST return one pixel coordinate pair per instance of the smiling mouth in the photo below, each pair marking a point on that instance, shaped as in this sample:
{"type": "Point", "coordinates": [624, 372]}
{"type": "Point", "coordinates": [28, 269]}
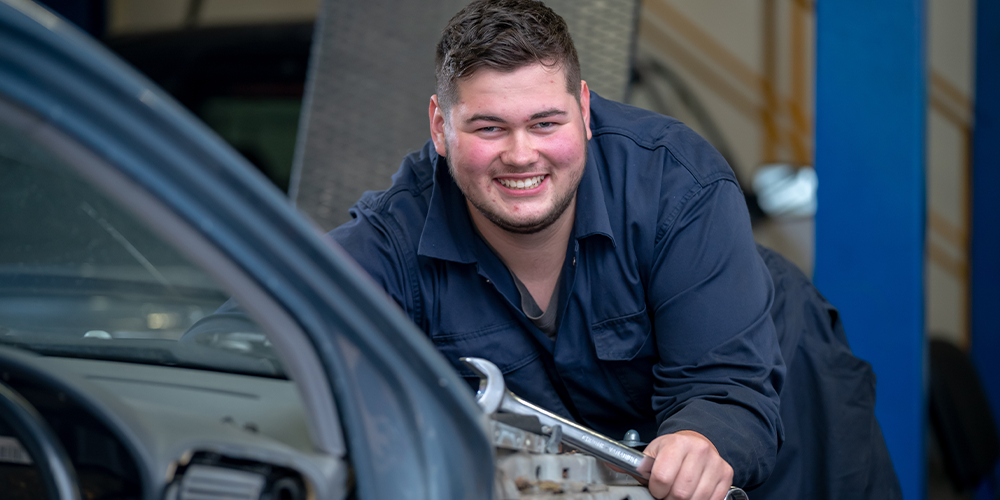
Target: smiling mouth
{"type": "Point", "coordinates": [529, 183]}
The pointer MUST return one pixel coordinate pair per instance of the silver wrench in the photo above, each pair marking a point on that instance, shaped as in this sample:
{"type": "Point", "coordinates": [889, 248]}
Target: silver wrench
{"type": "Point", "coordinates": [493, 396]}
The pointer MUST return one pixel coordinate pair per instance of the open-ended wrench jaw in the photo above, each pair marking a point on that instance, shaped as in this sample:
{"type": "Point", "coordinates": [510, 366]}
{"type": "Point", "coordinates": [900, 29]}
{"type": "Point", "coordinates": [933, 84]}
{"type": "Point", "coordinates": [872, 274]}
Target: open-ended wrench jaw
{"type": "Point", "coordinates": [492, 388]}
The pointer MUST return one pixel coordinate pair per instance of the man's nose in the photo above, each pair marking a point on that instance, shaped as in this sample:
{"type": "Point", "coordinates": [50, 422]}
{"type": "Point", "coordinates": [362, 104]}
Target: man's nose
{"type": "Point", "coordinates": [521, 150]}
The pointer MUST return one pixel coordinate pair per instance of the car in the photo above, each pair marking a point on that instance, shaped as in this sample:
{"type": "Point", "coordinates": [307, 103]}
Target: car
{"type": "Point", "coordinates": [128, 232]}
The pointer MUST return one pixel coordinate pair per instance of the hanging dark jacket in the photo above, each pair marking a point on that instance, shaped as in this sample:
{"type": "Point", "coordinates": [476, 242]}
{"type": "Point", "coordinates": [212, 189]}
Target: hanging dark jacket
{"type": "Point", "coordinates": [833, 446]}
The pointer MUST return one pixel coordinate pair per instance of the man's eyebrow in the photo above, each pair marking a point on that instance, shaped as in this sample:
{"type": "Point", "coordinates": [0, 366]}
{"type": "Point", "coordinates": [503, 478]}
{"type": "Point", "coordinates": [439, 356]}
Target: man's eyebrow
{"type": "Point", "coordinates": [496, 119]}
{"type": "Point", "coordinates": [547, 113]}
{"type": "Point", "coordinates": [485, 118]}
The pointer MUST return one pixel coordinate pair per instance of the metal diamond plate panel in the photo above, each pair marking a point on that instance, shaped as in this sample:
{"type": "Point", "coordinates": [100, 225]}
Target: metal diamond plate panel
{"type": "Point", "coordinates": [371, 78]}
{"type": "Point", "coordinates": [603, 32]}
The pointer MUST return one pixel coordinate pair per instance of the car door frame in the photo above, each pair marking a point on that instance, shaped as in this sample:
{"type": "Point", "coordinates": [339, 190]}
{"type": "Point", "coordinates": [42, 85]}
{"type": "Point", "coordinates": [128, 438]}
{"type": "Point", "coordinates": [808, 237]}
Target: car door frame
{"type": "Point", "coordinates": [411, 427]}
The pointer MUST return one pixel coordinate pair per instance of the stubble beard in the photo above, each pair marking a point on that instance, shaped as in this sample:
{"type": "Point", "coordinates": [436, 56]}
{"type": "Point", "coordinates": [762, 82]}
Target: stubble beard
{"type": "Point", "coordinates": [514, 226]}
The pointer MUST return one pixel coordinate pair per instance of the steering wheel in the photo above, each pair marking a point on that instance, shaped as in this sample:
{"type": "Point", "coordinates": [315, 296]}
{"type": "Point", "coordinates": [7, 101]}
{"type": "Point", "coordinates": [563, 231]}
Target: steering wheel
{"type": "Point", "coordinates": [53, 463]}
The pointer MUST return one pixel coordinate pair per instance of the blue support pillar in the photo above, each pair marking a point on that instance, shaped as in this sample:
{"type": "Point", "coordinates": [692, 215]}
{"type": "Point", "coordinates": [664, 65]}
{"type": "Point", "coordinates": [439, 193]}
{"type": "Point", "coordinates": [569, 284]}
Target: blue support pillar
{"type": "Point", "coordinates": [870, 127]}
{"type": "Point", "coordinates": [985, 270]}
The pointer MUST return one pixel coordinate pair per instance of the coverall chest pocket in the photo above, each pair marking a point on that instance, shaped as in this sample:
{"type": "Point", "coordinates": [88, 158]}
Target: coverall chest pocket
{"type": "Point", "coordinates": [626, 347]}
{"type": "Point", "coordinates": [622, 338]}
{"type": "Point", "coordinates": [505, 345]}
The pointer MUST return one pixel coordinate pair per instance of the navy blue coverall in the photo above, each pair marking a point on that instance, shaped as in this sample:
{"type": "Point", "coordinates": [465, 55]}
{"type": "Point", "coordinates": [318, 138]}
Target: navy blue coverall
{"type": "Point", "coordinates": [664, 321]}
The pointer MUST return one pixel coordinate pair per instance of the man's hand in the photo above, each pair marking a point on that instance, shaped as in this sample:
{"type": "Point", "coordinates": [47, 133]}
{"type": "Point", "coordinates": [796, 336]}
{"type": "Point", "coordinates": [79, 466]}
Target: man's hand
{"type": "Point", "coordinates": [687, 466]}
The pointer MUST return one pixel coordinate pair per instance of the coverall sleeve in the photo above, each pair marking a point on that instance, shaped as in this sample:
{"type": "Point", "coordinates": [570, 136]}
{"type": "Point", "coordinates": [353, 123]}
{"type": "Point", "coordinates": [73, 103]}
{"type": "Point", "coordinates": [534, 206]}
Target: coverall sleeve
{"type": "Point", "coordinates": [720, 367]}
{"type": "Point", "coordinates": [373, 242]}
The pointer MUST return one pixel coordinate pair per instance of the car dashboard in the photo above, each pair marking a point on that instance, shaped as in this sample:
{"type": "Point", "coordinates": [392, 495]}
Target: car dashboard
{"type": "Point", "coordinates": [143, 431]}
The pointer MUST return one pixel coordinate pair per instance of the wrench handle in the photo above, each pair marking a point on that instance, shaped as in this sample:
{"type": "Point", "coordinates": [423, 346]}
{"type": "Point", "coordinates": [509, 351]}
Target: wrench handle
{"type": "Point", "coordinates": [624, 457]}
{"type": "Point", "coordinates": [584, 439]}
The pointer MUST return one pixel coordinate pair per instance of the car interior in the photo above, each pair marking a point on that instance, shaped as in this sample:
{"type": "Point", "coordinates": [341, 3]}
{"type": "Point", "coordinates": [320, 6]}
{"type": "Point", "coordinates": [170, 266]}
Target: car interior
{"type": "Point", "coordinates": [96, 316]}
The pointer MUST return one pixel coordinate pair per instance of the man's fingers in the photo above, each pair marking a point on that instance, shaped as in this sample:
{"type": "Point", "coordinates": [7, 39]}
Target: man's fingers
{"type": "Point", "coordinates": [661, 481]}
{"type": "Point", "coordinates": [687, 467]}
{"type": "Point", "coordinates": [715, 480]}
{"type": "Point", "coordinates": [668, 461]}
{"type": "Point", "coordinates": [714, 484]}
{"type": "Point", "coordinates": [689, 478]}
{"type": "Point", "coordinates": [720, 491]}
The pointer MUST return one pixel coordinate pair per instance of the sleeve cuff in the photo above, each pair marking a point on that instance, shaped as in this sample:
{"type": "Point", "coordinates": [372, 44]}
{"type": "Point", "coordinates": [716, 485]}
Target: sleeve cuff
{"type": "Point", "coordinates": [752, 455]}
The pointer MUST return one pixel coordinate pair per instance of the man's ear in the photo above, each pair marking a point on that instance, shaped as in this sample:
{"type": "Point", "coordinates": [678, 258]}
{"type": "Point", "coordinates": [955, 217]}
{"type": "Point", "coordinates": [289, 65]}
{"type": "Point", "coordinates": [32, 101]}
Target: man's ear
{"type": "Point", "coordinates": [585, 106]}
{"type": "Point", "coordinates": [437, 119]}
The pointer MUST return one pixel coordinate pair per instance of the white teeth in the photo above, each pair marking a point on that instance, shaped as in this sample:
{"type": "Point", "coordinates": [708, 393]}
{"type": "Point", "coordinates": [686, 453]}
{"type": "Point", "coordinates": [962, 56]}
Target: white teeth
{"type": "Point", "coordinates": [529, 183]}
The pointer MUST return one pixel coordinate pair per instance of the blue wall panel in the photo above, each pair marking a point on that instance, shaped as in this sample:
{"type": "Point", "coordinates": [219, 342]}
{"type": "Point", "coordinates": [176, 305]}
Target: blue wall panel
{"type": "Point", "coordinates": [870, 122]}
{"type": "Point", "coordinates": [985, 269]}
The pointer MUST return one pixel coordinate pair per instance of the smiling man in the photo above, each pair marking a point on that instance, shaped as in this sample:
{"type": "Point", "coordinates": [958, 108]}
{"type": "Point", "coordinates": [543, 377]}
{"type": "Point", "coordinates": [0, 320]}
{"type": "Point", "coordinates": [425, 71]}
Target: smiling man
{"type": "Point", "coordinates": [516, 144]}
{"type": "Point", "coordinates": [599, 254]}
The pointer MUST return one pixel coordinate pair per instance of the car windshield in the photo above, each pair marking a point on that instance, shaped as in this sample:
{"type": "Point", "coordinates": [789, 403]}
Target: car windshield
{"type": "Point", "coordinates": [80, 277]}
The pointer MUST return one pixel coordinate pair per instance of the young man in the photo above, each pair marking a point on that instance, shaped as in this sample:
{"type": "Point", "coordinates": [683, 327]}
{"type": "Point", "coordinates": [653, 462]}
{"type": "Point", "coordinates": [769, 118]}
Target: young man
{"type": "Point", "coordinates": [599, 254]}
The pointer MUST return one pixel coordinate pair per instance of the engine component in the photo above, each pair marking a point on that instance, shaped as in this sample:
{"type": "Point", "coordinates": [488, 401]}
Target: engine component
{"type": "Point", "coordinates": [493, 396]}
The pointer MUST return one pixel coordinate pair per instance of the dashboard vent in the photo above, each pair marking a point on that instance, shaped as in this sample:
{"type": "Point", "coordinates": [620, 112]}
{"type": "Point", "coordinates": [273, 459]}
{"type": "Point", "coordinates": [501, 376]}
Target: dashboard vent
{"type": "Point", "coordinates": [205, 482]}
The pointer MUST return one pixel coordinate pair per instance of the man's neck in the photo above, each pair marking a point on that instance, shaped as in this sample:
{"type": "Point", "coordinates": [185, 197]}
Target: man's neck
{"type": "Point", "coordinates": [536, 259]}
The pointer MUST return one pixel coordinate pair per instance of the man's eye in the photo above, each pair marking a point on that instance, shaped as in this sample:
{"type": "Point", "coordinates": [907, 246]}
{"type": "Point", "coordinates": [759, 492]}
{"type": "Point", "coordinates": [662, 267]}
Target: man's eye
{"type": "Point", "coordinates": [489, 129]}
{"type": "Point", "coordinates": [545, 125]}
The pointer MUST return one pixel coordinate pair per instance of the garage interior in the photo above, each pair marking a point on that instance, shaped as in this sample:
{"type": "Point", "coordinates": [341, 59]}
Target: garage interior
{"type": "Point", "coordinates": [899, 229]}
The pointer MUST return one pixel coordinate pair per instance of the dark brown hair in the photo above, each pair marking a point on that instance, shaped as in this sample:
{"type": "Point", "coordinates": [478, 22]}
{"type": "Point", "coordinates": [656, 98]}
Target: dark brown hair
{"type": "Point", "coordinates": [504, 35]}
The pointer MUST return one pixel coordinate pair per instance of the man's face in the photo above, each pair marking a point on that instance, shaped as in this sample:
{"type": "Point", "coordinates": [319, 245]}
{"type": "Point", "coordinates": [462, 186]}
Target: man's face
{"type": "Point", "coordinates": [516, 144]}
